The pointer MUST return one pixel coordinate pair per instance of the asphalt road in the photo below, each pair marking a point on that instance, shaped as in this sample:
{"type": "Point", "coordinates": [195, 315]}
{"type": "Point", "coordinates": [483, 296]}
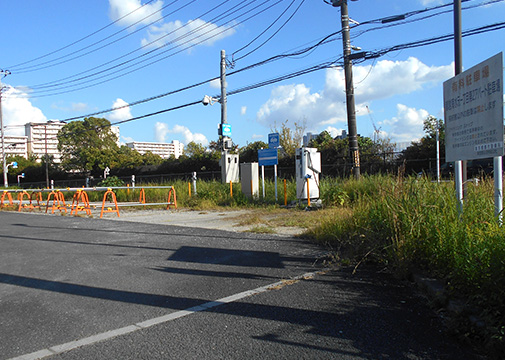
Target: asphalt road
{"type": "Point", "coordinates": [79, 288]}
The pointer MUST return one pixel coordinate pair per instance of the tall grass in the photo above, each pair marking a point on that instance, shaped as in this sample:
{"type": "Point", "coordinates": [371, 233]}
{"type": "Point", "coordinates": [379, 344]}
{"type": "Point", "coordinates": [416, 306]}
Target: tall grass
{"type": "Point", "coordinates": [209, 194]}
{"type": "Point", "coordinates": [414, 223]}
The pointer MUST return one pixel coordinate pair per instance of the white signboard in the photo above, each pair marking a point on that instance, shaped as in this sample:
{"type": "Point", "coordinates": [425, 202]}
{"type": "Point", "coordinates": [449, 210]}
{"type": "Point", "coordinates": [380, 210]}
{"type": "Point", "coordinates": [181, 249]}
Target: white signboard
{"type": "Point", "coordinates": [473, 111]}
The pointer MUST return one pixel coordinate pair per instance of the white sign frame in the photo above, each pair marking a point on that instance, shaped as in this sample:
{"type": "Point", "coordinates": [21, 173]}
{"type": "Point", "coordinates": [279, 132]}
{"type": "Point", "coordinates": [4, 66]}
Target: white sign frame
{"type": "Point", "coordinates": [473, 112]}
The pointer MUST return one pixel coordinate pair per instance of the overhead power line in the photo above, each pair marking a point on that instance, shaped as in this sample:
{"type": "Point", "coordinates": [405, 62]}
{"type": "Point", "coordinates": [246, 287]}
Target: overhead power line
{"type": "Point", "coordinates": [264, 31]}
{"type": "Point", "coordinates": [125, 65]}
{"type": "Point", "coordinates": [53, 62]}
{"type": "Point", "coordinates": [321, 66]}
{"type": "Point", "coordinates": [81, 39]}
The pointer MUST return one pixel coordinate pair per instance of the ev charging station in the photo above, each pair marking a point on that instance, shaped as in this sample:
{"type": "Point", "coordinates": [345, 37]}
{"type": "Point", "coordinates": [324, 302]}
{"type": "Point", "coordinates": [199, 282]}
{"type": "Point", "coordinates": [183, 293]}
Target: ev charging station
{"type": "Point", "coordinates": [308, 168]}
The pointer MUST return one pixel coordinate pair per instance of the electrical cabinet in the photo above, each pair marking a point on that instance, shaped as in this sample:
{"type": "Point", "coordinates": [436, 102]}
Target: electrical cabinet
{"type": "Point", "coordinates": [249, 178]}
{"type": "Point", "coordinates": [229, 167]}
{"type": "Point", "coordinates": [308, 168]}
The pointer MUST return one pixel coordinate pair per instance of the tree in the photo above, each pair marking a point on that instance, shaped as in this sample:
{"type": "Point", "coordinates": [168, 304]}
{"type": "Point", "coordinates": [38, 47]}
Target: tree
{"type": "Point", "coordinates": [249, 153]}
{"type": "Point", "coordinates": [194, 150]}
{"type": "Point", "coordinates": [290, 139]}
{"type": "Point", "coordinates": [128, 158]}
{"type": "Point", "coordinates": [88, 146]}
{"type": "Point", "coordinates": [151, 159]}
{"type": "Point", "coordinates": [420, 155]}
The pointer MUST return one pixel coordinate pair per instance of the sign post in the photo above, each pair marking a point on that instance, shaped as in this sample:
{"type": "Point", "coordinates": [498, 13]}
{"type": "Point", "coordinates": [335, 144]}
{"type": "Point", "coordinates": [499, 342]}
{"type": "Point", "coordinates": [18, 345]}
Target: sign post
{"type": "Point", "coordinates": [473, 112]}
{"type": "Point", "coordinates": [274, 143]}
{"type": "Point", "coordinates": [268, 157]}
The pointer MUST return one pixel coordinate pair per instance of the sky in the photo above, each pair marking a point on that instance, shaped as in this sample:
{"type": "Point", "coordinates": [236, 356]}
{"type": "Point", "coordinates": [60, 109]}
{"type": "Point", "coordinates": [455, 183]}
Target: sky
{"type": "Point", "coordinates": [70, 59]}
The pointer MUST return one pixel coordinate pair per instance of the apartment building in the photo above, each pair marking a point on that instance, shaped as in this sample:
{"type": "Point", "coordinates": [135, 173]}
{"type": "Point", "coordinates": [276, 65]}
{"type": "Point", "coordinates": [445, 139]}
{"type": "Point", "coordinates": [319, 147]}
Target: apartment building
{"type": "Point", "coordinates": [165, 150]}
{"type": "Point", "coordinates": [42, 139]}
{"type": "Point", "coordinates": [15, 146]}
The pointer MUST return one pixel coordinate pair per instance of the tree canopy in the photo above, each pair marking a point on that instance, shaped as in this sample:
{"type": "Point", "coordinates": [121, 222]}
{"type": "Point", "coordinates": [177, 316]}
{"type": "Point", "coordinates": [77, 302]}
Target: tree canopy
{"type": "Point", "coordinates": [421, 154]}
{"type": "Point", "coordinates": [88, 146]}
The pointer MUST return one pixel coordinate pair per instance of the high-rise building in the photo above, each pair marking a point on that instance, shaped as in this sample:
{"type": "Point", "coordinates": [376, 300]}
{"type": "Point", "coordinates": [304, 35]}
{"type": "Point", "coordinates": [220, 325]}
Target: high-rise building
{"type": "Point", "coordinates": [42, 139]}
{"type": "Point", "coordinates": [165, 150]}
{"type": "Point", "coordinates": [15, 146]}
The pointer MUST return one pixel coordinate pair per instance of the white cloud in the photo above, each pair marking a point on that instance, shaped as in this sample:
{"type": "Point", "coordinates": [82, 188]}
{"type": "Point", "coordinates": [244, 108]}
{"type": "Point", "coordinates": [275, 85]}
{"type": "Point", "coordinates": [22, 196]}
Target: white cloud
{"type": "Point", "coordinates": [296, 102]}
{"type": "Point", "coordinates": [162, 130]}
{"type": "Point", "coordinates": [408, 123]}
{"type": "Point", "coordinates": [123, 113]}
{"type": "Point", "coordinates": [334, 132]}
{"type": "Point", "coordinates": [126, 139]}
{"type": "Point", "coordinates": [17, 110]}
{"type": "Point", "coordinates": [243, 110]}
{"type": "Point", "coordinates": [74, 107]}
{"type": "Point", "coordinates": [216, 83]}
{"type": "Point", "coordinates": [78, 107]}
{"type": "Point", "coordinates": [257, 136]}
{"type": "Point", "coordinates": [291, 102]}
{"type": "Point", "coordinates": [430, 2]}
{"type": "Point", "coordinates": [120, 8]}
{"type": "Point", "coordinates": [193, 32]}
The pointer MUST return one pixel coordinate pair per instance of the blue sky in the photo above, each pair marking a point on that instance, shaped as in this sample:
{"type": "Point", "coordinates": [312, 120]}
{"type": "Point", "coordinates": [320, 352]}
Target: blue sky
{"type": "Point", "coordinates": [67, 59]}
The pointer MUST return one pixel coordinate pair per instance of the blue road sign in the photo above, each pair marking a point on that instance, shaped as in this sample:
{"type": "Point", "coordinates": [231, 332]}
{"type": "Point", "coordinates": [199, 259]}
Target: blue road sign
{"type": "Point", "coordinates": [267, 157]}
{"type": "Point", "coordinates": [226, 130]}
{"type": "Point", "coordinates": [273, 141]}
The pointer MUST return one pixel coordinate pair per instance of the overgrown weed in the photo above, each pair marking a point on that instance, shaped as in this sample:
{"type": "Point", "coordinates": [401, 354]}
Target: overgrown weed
{"type": "Point", "coordinates": [408, 223]}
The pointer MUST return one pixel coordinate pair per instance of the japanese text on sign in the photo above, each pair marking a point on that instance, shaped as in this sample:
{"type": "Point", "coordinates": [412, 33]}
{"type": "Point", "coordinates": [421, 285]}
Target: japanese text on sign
{"type": "Point", "coordinates": [473, 106]}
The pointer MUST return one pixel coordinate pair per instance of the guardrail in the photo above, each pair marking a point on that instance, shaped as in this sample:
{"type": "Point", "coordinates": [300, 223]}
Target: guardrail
{"type": "Point", "coordinates": [80, 200]}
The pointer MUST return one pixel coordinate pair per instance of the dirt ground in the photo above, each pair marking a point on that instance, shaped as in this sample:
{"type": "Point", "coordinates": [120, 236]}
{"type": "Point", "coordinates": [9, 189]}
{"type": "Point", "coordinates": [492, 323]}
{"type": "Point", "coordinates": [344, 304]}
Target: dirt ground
{"type": "Point", "coordinates": [230, 220]}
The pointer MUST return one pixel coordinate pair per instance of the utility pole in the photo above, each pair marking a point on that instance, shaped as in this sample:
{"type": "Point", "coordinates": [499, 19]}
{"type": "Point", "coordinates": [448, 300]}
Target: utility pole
{"type": "Point", "coordinates": [4, 166]}
{"type": "Point", "coordinates": [459, 168]}
{"type": "Point", "coordinates": [349, 89]}
{"type": "Point", "coordinates": [223, 88]}
{"type": "Point", "coordinates": [3, 139]}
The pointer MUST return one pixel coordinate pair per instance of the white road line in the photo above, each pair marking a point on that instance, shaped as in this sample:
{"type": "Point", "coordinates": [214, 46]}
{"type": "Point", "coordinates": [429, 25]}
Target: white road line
{"type": "Point", "coordinates": [58, 349]}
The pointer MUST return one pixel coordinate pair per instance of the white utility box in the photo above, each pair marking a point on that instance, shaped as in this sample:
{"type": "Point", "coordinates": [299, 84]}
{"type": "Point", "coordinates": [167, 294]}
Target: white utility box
{"type": "Point", "coordinates": [229, 167]}
{"type": "Point", "coordinates": [308, 168]}
{"type": "Point", "coordinates": [249, 177]}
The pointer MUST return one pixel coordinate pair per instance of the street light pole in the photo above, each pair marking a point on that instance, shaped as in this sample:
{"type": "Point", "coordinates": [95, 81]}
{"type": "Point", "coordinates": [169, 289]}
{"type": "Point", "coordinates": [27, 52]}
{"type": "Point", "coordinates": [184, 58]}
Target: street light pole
{"type": "Point", "coordinates": [349, 89]}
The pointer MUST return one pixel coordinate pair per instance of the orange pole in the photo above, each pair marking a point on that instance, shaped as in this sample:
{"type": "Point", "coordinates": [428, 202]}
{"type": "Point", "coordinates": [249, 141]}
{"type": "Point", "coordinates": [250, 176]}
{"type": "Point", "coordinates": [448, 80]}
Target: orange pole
{"type": "Point", "coordinates": [308, 193]}
{"type": "Point", "coordinates": [285, 194]}
{"type": "Point", "coordinates": [231, 189]}
{"type": "Point", "coordinates": [189, 189]}
{"type": "Point", "coordinates": [128, 186]}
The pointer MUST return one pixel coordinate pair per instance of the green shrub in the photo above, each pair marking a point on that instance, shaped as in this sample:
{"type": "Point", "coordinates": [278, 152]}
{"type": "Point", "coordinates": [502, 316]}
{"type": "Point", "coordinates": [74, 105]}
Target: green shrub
{"type": "Point", "coordinates": [111, 181]}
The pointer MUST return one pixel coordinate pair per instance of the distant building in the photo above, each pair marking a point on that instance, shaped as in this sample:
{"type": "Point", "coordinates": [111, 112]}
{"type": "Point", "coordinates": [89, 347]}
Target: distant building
{"type": "Point", "coordinates": [42, 139]}
{"type": "Point", "coordinates": [342, 136]}
{"type": "Point", "coordinates": [115, 131]}
{"type": "Point", "coordinates": [164, 150]}
{"type": "Point", "coordinates": [15, 146]}
{"type": "Point", "coordinates": [307, 138]}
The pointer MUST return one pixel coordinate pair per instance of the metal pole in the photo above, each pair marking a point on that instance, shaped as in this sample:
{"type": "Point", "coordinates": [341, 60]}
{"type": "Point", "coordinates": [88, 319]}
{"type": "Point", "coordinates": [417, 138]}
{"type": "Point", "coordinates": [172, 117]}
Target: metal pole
{"type": "Point", "coordinates": [47, 165]}
{"type": "Point", "coordinates": [4, 167]}
{"type": "Point", "coordinates": [223, 87]}
{"type": "Point", "coordinates": [263, 180]}
{"type": "Point", "coordinates": [224, 163]}
{"type": "Point", "coordinates": [275, 180]}
{"type": "Point", "coordinates": [458, 68]}
{"type": "Point", "coordinates": [498, 188]}
{"type": "Point", "coordinates": [438, 153]}
{"type": "Point", "coordinates": [349, 91]}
